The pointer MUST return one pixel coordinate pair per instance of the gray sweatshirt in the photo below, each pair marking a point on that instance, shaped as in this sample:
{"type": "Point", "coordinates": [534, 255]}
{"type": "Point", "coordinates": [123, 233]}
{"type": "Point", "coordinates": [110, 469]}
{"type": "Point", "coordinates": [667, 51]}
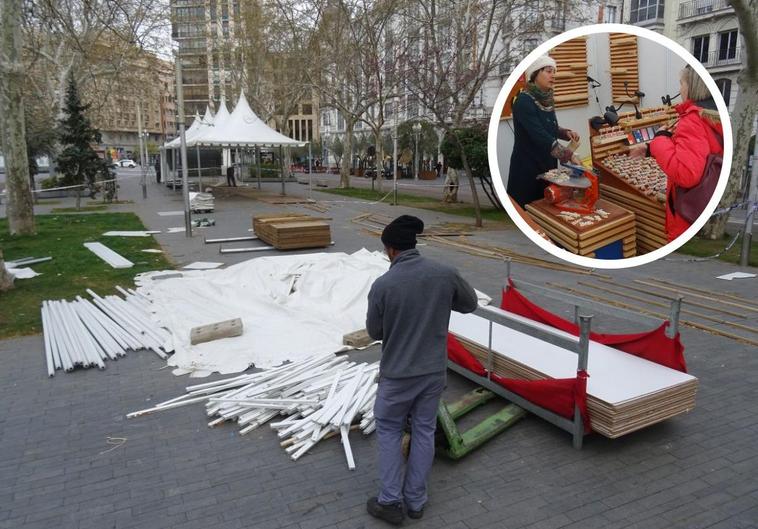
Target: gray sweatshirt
{"type": "Point", "coordinates": [409, 310]}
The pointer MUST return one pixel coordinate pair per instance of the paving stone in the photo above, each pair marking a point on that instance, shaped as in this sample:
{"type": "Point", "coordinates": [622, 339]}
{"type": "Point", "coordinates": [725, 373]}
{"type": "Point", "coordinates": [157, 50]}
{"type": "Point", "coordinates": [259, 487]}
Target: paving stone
{"type": "Point", "coordinates": [697, 470]}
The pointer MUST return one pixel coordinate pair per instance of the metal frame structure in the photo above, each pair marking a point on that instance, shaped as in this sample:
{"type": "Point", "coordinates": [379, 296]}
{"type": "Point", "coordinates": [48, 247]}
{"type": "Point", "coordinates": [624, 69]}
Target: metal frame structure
{"type": "Point", "coordinates": [579, 345]}
{"type": "Point", "coordinates": [579, 302]}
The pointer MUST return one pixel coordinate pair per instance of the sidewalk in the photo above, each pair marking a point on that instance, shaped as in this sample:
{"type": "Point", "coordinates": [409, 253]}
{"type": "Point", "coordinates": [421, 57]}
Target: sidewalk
{"type": "Point", "coordinates": [172, 471]}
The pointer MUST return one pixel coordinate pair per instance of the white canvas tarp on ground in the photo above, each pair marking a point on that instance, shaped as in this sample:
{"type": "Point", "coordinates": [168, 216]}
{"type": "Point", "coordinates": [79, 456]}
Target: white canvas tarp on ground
{"type": "Point", "coordinates": [291, 307]}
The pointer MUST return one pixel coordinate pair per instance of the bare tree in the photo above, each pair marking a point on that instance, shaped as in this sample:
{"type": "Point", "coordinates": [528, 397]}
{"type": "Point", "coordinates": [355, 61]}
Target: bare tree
{"type": "Point", "coordinates": [276, 42]}
{"type": "Point", "coordinates": [20, 203]}
{"type": "Point", "coordinates": [459, 47]}
{"type": "Point", "coordinates": [343, 40]}
{"type": "Point", "coordinates": [92, 39]}
{"type": "Point", "coordinates": [6, 280]}
{"type": "Point", "coordinates": [383, 54]}
{"type": "Point", "coordinates": [744, 113]}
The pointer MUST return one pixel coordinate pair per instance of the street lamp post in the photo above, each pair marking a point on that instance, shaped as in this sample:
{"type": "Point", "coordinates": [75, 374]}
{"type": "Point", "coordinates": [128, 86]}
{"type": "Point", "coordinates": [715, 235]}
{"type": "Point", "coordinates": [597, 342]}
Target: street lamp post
{"type": "Point", "coordinates": [394, 163]}
{"type": "Point", "coordinates": [416, 134]}
{"type": "Point", "coordinates": [143, 179]}
{"type": "Point", "coordinates": [183, 148]}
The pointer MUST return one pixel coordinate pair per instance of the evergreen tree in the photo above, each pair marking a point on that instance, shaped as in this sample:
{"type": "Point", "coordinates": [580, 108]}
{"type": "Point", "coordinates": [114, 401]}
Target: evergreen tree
{"type": "Point", "coordinates": [78, 161]}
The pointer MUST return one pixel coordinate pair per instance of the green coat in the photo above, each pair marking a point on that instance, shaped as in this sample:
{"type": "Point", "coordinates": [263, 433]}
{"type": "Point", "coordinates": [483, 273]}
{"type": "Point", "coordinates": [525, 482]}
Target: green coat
{"type": "Point", "coordinates": [536, 131]}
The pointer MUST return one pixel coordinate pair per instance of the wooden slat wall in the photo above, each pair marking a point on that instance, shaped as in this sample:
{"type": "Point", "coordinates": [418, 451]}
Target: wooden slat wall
{"type": "Point", "coordinates": [571, 88]}
{"type": "Point", "coordinates": [624, 67]}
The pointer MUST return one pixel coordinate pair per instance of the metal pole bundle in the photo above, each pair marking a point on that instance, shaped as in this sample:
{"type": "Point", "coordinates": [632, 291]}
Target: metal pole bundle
{"type": "Point", "coordinates": [84, 333]}
{"type": "Point", "coordinates": [322, 396]}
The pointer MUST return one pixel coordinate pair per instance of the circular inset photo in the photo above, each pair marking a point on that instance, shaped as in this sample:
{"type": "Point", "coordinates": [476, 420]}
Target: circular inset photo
{"type": "Point", "coordinates": [610, 146]}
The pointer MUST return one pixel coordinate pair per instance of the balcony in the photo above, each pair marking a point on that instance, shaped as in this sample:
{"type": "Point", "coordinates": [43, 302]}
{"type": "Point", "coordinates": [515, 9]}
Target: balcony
{"type": "Point", "coordinates": [702, 8]}
{"type": "Point", "coordinates": [531, 23]}
{"type": "Point", "coordinates": [648, 16]}
{"type": "Point", "coordinates": [724, 58]}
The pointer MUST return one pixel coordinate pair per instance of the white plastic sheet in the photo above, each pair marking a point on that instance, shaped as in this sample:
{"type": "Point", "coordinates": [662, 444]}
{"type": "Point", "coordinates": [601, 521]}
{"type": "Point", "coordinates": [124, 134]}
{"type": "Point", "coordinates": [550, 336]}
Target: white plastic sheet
{"type": "Point", "coordinates": [736, 275]}
{"type": "Point", "coordinates": [291, 307]}
{"type": "Point", "coordinates": [22, 273]}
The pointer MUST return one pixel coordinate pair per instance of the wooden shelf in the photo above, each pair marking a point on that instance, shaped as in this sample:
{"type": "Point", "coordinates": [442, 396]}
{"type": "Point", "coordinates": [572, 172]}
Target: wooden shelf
{"type": "Point", "coordinates": [624, 65]}
{"type": "Point", "coordinates": [571, 88]}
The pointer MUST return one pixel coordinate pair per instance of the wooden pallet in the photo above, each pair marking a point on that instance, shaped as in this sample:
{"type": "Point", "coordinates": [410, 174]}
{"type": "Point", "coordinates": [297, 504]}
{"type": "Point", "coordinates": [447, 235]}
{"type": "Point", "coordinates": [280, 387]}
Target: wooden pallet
{"type": "Point", "coordinates": [292, 231]}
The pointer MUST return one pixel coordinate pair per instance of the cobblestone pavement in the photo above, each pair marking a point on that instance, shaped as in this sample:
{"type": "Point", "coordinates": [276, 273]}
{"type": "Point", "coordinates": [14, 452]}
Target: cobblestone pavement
{"type": "Point", "coordinates": [59, 469]}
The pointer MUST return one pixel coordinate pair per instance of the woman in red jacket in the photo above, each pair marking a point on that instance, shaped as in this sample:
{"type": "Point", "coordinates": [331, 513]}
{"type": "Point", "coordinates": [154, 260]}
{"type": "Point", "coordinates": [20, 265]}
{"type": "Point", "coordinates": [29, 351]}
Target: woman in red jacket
{"type": "Point", "coordinates": [682, 150]}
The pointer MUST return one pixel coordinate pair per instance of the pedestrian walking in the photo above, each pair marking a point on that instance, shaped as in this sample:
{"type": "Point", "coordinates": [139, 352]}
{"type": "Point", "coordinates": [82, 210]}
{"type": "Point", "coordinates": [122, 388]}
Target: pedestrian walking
{"type": "Point", "coordinates": [230, 182]}
{"type": "Point", "coordinates": [409, 310]}
{"type": "Point", "coordinates": [158, 169]}
{"type": "Point", "coordinates": [438, 169]}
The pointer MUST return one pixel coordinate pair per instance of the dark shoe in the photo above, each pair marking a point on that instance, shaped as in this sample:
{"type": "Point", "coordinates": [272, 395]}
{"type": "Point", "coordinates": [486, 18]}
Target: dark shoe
{"type": "Point", "coordinates": [416, 515]}
{"type": "Point", "coordinates": [392, 513]}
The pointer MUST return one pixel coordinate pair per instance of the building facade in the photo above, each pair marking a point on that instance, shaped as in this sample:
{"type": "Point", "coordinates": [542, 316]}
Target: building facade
{"type": "Point", "coordinates": [144, 86]}
{"type": "Point", "coordinates": [706, 28]}
{"type": "Point", "coordinates": [211, 35]}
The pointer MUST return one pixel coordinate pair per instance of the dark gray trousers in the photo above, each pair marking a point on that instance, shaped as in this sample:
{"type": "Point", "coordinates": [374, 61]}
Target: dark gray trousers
{"type": "Point", "coordinates": [396, 399]}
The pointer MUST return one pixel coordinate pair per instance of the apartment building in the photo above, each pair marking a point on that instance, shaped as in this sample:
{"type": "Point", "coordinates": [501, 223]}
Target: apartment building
{"type": "Point", "coordinates": [706, 28]}
{"type": "Point", "coordinates": [211, 39]}
{"type": "Point", "coordinates": [145, 85]}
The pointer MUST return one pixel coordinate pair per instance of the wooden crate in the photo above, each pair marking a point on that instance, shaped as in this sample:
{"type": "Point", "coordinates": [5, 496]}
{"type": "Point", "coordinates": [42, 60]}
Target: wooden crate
{"type": "Point", "coordinates": [650, 213]}
{"type": "Point", "coordinates": [585, 240]}
{"type": "Point", "coordinates": [292, 231]}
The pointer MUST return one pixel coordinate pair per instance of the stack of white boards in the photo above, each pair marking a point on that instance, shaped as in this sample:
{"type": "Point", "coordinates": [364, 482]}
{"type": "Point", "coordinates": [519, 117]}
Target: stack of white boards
{"type": "Point", "coordinates": [201, 202]}
{"type": "Point", "coordinates": [624, 392]}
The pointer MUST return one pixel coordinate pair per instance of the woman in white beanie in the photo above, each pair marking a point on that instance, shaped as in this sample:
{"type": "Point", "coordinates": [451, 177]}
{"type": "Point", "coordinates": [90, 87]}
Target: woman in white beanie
{"type": "Point", "coordinates": [536, 148]}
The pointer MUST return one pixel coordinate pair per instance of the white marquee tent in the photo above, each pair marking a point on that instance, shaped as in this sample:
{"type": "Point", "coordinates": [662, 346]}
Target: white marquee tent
{"type": "Point", "coordinates": [241, 128]}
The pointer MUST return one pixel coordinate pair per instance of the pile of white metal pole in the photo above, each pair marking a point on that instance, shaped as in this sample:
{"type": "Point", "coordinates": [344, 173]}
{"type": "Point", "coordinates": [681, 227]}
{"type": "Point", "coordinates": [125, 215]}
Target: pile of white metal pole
{"type": "Point", "coordinates": [322, 396]}
{"type": "Point", "coordinates": [82, 334]}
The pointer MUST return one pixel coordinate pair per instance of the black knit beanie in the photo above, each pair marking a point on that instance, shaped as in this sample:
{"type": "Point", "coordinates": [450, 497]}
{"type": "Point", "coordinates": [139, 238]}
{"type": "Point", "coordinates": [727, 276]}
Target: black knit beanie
{"type": "Point", "coordinates": [400, 234]}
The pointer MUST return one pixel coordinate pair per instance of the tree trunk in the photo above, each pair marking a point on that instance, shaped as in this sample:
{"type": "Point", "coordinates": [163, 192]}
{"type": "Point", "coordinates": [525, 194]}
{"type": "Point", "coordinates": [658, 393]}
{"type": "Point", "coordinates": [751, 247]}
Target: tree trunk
{"type": "Point", "coordinates": [379, 160]}
{"type": "Point", "coordinates": [470, 175]}
{"type": "Point", "coordinates": [347, 148]}
{"type": "Point", "coordinates": [742, 117]}
{"type": "Point", "coordinates": [20, 209]}
{"type": "Point", "coordinates": [452, 183]}
{"type": "Point", "coordinates": [287, 162]}
{"type": "Point", "coordinates": [6, 280]}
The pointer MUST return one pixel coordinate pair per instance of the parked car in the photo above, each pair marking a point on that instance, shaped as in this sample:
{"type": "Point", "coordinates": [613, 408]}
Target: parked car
{"type": "Point", "coordinates": [128, 163]}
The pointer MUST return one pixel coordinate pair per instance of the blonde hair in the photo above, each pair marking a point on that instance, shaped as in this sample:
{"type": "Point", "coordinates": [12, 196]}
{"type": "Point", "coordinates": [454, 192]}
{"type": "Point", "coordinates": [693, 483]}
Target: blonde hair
{"type": "Point", "coordinates": [696, 89]}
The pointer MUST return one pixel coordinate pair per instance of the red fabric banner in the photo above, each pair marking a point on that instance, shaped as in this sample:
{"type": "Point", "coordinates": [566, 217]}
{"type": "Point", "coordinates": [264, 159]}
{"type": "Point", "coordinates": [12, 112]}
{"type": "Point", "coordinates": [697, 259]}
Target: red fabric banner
{"type": "Point", "coordinates": [651, 345]}
{"type": "Point", "coordinates": [555, 394]}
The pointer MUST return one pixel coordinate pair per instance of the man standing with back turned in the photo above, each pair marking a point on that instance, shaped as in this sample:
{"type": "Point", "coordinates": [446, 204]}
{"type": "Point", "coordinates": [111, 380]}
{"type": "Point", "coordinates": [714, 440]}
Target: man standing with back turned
{"type": "Point", "coordinates": [409, 310]}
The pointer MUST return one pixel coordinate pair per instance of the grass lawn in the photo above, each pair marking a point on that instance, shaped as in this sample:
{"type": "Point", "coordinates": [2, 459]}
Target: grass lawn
{"type": "Point", "coordinates": [104, 203]}
{"type": "Point", "coordinates": [83, 209]}
{"type": "Point", "coordinates": [465, 210]}
{"type": "Point", "coordinates": [705, 247]}
{"type": "Point", "coordinates": [73, 268]}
